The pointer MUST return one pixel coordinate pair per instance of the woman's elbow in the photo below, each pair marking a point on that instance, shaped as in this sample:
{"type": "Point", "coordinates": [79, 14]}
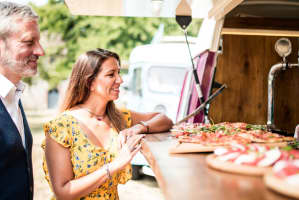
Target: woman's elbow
{"type": "Point", "coordinates": [61, 194]}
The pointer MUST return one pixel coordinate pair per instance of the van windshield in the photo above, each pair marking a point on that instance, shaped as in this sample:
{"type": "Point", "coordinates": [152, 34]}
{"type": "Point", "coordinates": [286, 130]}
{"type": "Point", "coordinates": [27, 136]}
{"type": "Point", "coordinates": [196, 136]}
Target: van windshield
{"type": "Point", "coordinates": [166, 79]}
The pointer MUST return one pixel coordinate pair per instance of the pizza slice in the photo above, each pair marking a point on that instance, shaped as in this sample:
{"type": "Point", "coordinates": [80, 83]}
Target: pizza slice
{"type": "Point", "coordinates": [187, 129]}
{"type": "Point", "coordinates": [262, 136]}
{"type": "Point", "coordinates": [252, 159]}
{"type": "Point", "coordinates": [284, 178]}
{"type": "Point", "coordinates": [225, 128]}
{"type": "Point", "coordinates": [223, 134]}
{"type": "Point", "coordinates": [212, 139]}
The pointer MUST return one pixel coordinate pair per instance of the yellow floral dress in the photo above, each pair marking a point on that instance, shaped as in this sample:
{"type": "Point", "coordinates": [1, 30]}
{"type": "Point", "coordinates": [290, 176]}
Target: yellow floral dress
{"type": "Point", "coordinates": [85, 156]}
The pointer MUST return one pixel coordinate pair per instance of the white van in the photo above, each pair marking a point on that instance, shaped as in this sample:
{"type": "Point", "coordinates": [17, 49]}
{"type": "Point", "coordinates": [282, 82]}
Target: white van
{"type": "Point", "coordinates": [155, 77]}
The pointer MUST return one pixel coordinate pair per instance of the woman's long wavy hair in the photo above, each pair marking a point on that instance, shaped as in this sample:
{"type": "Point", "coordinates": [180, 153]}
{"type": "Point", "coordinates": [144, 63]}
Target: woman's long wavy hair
{"type": "Point", "coordinates": [86, 68]}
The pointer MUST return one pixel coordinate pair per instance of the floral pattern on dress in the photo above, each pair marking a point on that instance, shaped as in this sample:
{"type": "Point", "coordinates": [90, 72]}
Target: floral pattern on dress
{"type": "Point", "coordinates": [86, 157]}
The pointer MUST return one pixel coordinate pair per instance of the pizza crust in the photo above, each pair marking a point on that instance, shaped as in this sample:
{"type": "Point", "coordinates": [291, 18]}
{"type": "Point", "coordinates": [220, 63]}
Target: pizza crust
{"type": "Point", "coordinates": [274, 144]}
{"type": "Point", "coordinates": [281, 186]}
{"type": "Point", "coordinates": [235, 168]}
{"type": "Point", "coordinates": [198, 148]}
{"type": "Point", "coordinates": [190, 148]}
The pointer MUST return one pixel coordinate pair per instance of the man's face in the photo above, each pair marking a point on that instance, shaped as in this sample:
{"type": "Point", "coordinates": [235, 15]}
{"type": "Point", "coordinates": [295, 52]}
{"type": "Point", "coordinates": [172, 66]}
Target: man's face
{"type": "Point", "coordinates": [20, 51]}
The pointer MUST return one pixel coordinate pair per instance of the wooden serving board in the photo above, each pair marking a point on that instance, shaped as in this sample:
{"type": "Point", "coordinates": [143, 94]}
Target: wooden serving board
{"type": "Point", "coordinates": [235, 168]}
{"type": "Point", "coordinates": [281, 186]}
{"type": "Point", "coordinates": [190, 148]}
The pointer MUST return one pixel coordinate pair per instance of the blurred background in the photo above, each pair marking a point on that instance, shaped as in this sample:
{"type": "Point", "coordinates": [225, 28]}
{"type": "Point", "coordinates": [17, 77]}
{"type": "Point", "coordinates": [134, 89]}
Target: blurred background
{"type": "Point", "coordinates": [64, 37]}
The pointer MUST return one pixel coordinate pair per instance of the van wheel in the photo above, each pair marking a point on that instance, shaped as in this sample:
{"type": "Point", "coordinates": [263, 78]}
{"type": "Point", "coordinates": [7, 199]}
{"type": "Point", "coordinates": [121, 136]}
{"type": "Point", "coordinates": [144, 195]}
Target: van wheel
{"type": "Point", "coordinates": [136, 172]}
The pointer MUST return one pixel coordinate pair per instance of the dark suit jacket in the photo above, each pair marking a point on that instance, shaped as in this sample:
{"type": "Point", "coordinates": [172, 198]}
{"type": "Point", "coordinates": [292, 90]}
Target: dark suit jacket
{"type": "Point", "coordinates": [16, 180]}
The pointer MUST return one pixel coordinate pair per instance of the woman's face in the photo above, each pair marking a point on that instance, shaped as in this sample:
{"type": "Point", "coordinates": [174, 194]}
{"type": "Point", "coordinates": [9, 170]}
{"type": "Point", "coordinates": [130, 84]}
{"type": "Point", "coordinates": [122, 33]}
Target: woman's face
{"type": "Point", "coordinates": [107, 82]}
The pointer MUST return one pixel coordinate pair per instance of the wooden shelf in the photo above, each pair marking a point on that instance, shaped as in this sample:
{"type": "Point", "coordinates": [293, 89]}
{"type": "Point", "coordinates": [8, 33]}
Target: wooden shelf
{"type": "Point", "coordinates": [262, 32]}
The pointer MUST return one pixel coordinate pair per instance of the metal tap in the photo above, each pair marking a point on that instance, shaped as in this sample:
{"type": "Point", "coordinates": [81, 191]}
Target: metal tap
{"type": "Point", "coordinates": [283, 48]}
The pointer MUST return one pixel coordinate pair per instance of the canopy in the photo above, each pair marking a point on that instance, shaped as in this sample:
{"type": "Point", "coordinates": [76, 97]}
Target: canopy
{"type": "Point", "coordinates": [136, 8]}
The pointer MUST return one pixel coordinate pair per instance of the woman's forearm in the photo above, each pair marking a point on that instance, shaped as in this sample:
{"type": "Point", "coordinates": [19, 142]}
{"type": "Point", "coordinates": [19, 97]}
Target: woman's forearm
{"type": "Point", "coordinates": [82, 186]}
{"type": "Point", "coordinates": [159, 123]}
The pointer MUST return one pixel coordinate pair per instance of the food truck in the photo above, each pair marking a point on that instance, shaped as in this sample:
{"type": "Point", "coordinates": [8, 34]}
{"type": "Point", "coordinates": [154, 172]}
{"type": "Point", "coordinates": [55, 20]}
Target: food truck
{"type": "Point", "coordinates": [156, 74]}
{"type": "Point", "coordinates": [253, 50]}
{"type": "Point", "coordinates": [262, 85]}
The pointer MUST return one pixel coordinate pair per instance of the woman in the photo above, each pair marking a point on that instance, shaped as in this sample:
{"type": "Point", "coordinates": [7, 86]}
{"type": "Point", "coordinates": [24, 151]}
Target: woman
{"type": "Point", "coordinates": [86, 158]}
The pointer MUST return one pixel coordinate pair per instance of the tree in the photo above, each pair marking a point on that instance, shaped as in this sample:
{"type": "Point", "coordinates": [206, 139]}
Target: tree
{"type": "Point", "coordinates": [66, 37]}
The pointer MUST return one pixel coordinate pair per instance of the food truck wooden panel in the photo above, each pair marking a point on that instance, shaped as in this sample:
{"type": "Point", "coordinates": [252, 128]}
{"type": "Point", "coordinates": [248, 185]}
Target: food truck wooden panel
{"type": "Point", "coordinates": [244, 66]}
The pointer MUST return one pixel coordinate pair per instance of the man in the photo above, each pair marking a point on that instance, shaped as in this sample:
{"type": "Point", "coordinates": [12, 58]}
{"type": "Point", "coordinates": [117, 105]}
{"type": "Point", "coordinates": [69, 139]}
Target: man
{"type": "Point", "coordinates": [19, 52]}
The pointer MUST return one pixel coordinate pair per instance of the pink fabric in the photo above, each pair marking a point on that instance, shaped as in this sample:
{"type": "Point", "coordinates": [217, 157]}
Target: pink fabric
{"type": "Point", "coordinates": [205, 64]}
{"type": "Point", "coordinates": [296, 135]}
{"type": "Point", "coordinates": [181, 96]}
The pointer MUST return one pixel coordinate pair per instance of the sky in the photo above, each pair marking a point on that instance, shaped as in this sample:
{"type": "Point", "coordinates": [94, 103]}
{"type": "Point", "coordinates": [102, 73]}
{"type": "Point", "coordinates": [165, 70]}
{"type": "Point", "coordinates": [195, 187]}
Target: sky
{"type": "Point", "coordinates": [36, 2]}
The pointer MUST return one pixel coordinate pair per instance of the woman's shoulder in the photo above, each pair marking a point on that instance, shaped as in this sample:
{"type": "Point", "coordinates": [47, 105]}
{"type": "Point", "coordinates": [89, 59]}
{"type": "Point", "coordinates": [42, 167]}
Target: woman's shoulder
{"type": "Point", "coordinates": [61, 119]}
{"type": "Point", "coordinates": [60, 128]}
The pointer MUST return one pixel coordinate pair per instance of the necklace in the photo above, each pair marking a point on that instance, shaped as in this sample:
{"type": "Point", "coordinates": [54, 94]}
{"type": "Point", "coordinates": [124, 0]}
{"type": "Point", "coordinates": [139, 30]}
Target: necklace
{"type": "Point", "coordinates": [98, 117]}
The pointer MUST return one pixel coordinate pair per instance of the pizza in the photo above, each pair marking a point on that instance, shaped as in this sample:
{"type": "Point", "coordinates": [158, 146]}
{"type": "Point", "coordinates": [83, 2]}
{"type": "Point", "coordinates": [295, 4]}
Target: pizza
{"type": "Point", "coordinates": [224, 127]}
{"type": "Point", "coordinates": [212, 139]}
{"type": "Point", "coordinates": [284, 177]}
{"type": "Point", "coordinates": [262, 136]}
{"type": "Point", "coordinates": [250, 159]}
{"type": "Point", "coordinates": [223, 134]}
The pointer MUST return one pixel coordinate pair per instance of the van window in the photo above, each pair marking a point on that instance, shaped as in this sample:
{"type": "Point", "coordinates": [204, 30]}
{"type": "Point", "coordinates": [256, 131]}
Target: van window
{"type": "Point", "coordinates": [166, 79]}
{"type": "Point", "coordinates": [136, 82]}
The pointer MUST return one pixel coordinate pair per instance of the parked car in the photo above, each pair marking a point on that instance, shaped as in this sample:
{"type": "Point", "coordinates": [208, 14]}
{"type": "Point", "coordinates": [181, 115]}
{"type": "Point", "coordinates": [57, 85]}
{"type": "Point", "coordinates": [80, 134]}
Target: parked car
{"type": "Point", "coordinates": [155, 77]}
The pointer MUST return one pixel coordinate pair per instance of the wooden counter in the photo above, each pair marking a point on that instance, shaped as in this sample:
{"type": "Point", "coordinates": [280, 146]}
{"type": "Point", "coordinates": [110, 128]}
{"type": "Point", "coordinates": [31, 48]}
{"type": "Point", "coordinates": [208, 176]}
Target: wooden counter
{"type": "Point", "coordinates": [187, 176]}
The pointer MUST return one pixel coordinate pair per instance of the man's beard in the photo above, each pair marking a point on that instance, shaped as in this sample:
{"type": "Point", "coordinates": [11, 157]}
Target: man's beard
{"type": "Point", "coordinates": [20, 67]}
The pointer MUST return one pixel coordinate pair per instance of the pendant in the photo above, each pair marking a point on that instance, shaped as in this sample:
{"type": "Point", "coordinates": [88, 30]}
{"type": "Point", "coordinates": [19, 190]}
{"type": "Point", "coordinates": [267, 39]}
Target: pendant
{"type": "Point", "coordinates": [100, 118]}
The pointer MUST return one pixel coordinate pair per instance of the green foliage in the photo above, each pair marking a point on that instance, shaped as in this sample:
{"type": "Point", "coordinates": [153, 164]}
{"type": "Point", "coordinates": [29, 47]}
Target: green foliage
{"type": "Point", "coordinates": [67, 36]}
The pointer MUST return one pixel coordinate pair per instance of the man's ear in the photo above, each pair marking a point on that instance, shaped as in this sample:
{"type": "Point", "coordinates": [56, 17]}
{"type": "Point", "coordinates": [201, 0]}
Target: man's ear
{"type": "Point", "coordinates": [2, 45]}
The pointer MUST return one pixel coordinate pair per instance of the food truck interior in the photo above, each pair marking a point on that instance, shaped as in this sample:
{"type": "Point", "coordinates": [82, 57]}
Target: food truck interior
{"type": "Point", "coordinates": [249, 34]}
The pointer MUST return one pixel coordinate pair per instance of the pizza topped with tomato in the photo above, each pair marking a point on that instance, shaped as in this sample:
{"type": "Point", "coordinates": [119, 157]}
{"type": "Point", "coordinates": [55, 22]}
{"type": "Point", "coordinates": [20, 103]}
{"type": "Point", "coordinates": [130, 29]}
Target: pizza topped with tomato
{"type": "Point", "coordinates": [254, 154]}
{"type": "Point", "coordinates": [251, 159]}
{"type": "Point", "coordinates": [287, 170]}
{"type": "Point", "coordinates": [225, 133]}
{"type": "Point", "coordinates": [284, 176]}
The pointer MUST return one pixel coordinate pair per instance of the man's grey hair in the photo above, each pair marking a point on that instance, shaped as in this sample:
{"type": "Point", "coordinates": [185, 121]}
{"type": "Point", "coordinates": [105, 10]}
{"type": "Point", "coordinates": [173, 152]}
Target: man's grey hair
{"type": "Point", "coordinates": [9, 13]}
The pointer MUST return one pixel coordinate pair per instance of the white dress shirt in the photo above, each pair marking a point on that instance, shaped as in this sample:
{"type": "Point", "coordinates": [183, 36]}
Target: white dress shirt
{"type": "Point", "coordinates": [10, 95]}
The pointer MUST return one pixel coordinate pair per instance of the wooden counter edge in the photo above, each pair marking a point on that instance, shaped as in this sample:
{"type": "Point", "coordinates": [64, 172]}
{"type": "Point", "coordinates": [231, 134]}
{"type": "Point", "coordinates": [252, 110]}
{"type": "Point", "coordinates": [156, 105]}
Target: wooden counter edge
{"type": "Point", "coordinates": [152, 161]}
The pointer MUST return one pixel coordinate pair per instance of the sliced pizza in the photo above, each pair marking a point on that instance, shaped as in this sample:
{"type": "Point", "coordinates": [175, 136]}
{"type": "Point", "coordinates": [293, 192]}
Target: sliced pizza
{"type": "Point", "coordinates": [212, 139]}
{"type": "Point", "coordinates": [262, 136]}
{"type": "Point", "coordinates": [252, 159]}
{"type": "Point", "coordinates": [284, 178]}
{"type": "Point", "coordinates": [211, 136]}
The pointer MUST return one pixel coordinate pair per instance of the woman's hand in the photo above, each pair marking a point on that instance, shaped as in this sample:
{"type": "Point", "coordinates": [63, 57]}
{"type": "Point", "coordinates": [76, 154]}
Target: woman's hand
{"type": "Point", "coordinates": [134, 130]}
{"type": "Point", "coordinates": [127, 150]}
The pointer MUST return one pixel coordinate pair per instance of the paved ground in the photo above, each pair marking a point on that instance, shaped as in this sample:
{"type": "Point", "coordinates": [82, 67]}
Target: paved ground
{"type": "Point", "coordinates": [144, 189]}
